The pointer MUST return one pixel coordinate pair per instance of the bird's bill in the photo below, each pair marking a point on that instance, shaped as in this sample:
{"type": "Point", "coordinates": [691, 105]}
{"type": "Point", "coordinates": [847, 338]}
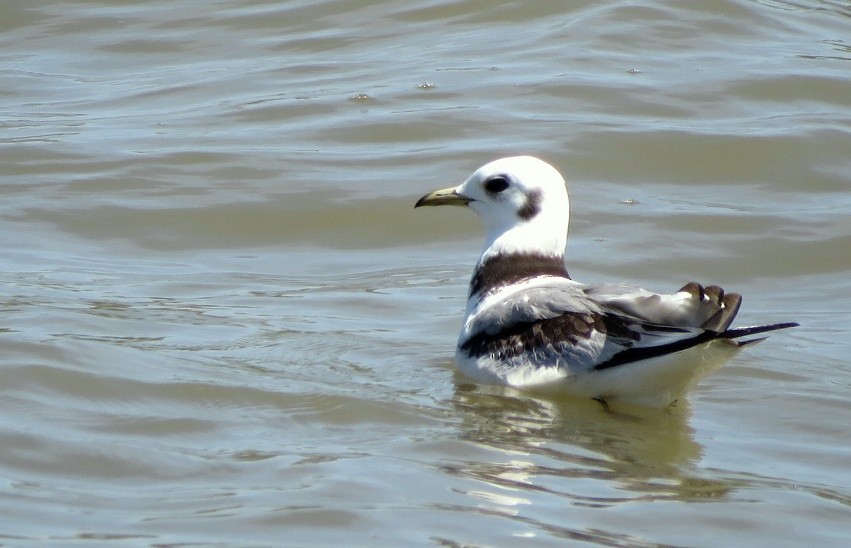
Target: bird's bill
{"type": "Point", "coordinates": [446, 196]}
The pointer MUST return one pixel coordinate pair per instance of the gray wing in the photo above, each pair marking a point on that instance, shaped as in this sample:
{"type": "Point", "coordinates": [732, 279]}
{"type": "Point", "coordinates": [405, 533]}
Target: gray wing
{"type": "Point", "coordinates": [564, 323]}
{"type": "Point", "coordinates": [693, 305]}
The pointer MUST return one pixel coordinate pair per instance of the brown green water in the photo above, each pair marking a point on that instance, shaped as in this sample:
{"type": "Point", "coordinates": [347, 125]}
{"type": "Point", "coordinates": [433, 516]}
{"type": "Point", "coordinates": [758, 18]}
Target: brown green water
{"type": "Point", "coordinates": [221, 320]}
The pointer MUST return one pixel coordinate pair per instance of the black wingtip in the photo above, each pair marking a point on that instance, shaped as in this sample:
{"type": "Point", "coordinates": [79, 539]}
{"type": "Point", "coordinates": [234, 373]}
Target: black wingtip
{"type": "Point", "coordinates": [756, 329]}
{"type": "Point", "coordinates": [747, 342]}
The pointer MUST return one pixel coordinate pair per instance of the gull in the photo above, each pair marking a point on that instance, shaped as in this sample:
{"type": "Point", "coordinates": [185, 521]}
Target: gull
{"type": "Point", "coordinates": [528, 325]}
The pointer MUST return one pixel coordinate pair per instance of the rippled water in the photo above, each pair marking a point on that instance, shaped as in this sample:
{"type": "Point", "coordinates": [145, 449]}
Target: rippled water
{"type": "Point", "coordinates": [222, 321]}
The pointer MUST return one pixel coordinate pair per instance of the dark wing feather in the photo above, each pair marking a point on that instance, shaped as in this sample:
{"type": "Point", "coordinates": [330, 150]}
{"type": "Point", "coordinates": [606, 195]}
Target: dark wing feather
{"type": "Point", "coordinates": [652, 341]}
{"type": "Point", "coordinates": [565, 324]}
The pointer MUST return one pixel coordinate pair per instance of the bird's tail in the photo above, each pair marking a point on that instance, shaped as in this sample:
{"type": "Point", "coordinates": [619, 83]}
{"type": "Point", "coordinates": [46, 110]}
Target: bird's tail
{"type": "Point", "coordinates": [753, 330]}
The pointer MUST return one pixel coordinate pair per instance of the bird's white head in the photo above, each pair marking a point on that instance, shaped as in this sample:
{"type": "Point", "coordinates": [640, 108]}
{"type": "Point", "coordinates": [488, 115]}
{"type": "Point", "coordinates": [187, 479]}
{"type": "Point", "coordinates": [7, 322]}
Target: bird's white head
{"type": "Point", "coordinates": [523, 204]}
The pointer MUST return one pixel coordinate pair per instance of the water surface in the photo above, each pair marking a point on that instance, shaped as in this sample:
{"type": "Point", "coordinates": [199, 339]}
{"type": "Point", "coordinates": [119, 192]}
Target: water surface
{"type": "Point", "coordinates": [221, 320]}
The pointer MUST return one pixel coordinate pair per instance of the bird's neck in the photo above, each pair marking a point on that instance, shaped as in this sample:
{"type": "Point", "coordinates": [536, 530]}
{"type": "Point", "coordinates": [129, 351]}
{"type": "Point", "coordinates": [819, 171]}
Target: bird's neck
{"type": "Point", "coordinates": [495, 271]}
{"type": "Point", "coordinates": [520, 251]}
{"type": "Point", "coordinates": [544, 235]}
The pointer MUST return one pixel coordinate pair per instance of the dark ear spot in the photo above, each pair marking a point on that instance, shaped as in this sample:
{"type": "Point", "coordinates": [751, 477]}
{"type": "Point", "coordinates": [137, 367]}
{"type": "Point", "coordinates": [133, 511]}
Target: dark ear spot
{"type": "Point", "coordinates": [531, 207]}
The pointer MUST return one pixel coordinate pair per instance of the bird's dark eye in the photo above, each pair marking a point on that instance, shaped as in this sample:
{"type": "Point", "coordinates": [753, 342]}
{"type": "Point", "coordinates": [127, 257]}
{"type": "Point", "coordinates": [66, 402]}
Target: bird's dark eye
{"type": "Point", "coordinates": [496, 184]}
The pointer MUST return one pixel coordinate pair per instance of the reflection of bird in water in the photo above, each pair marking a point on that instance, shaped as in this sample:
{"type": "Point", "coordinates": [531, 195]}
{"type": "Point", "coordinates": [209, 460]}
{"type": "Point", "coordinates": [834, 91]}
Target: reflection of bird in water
{"type": "Point", "coordinates": [554, 445]}
{"type": "Point", "coordinates": [529, 325]}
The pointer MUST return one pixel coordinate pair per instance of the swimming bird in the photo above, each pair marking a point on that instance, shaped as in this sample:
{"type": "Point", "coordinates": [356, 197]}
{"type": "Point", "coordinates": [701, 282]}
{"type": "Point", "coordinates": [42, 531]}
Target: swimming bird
{"type": "Point", "coordinates": [529, 325]}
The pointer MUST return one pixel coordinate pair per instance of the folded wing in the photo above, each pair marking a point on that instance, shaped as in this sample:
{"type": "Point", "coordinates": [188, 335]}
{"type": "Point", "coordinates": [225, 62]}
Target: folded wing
{"type": "Point", "coordinates": [559, 322]}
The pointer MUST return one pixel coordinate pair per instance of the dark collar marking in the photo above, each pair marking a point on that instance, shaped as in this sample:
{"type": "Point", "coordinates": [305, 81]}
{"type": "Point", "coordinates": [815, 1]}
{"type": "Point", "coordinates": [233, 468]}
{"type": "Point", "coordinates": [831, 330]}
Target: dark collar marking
{"type": "Point", "coordinates": [501, 270]}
